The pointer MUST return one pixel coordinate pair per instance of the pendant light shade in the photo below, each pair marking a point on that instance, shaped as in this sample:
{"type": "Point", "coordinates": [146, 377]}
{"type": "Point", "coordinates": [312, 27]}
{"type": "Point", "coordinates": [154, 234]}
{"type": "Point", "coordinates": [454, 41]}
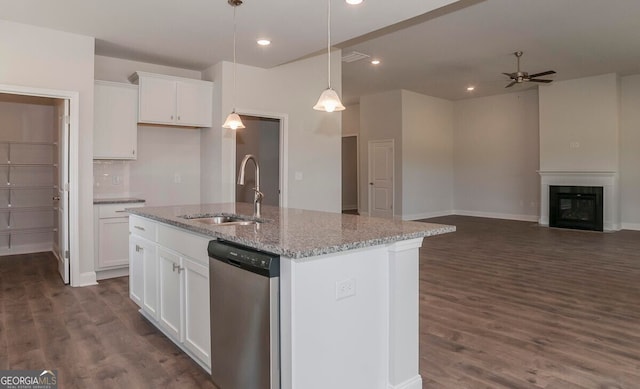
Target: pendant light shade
{"type": "Point", "coordinates": [233, 121]}
{"type": "Point", "coordinates": [329, 100]}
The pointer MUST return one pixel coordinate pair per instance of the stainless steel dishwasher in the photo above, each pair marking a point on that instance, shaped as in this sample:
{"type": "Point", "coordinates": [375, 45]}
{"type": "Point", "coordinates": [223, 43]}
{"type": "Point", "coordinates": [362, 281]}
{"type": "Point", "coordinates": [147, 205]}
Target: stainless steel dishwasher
{"type": "Point", "coordinates": [245, 317]}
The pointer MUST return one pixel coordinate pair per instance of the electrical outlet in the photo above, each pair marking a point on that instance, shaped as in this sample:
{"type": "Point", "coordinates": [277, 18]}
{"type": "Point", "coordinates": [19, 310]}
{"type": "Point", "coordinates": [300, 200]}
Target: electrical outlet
{"type": "Point", "coordinates": [298, 176]}
{"type": "Point", "coordinates": [574, 145]}
{"type": "Point", "coordinates": [345, 288]}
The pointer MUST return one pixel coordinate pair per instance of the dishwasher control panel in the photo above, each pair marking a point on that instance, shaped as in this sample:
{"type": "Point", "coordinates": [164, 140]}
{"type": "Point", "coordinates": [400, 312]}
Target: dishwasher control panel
{"type": "Point", "coordinates": [245, 257]}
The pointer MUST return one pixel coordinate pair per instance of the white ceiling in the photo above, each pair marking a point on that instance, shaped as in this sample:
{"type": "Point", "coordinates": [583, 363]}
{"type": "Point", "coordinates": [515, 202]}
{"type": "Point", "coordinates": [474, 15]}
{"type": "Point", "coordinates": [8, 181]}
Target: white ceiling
{"type": "Point", "coordinates": [474, 45]}
{"type": "Point", "coordinates": [439, 53]}
{"type": "Point", "coordinates": [196, 34]}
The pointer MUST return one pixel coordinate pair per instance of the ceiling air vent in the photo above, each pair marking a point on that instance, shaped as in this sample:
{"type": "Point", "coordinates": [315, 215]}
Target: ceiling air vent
{"type": "Point", "coordinates": [354, 56]}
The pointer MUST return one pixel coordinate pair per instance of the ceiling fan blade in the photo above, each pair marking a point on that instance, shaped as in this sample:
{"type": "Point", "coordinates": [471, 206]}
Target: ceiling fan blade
{"type": "Point", "coordinates": [539, 80]}
{"type": "Point", "coordinates": [511, 84]}
{"type": "Point", "coordinates": [547, 73]}
{"type": "Point", "coordinates": [510, 75]}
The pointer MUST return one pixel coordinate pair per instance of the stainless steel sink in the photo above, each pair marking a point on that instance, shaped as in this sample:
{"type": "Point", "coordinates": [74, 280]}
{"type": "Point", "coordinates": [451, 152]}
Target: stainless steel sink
{"type": "Point", "coordinates": [222, 220]}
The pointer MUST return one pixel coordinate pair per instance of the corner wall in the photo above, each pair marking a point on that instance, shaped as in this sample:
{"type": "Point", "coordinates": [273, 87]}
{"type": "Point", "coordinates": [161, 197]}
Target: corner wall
{"type": "Point", "coordinates": [496, 156]}
{"type": "Point", "coordinates": [630, 152]}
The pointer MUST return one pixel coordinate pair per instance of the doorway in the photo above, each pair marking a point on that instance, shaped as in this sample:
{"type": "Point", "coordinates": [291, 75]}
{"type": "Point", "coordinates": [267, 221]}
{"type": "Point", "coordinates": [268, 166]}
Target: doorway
{"type": "Point", "coordinates": [350, 174]}
{"type": "Point", "coordinates": [381, 187]}
{"type": "Point", "coordinates": [36, 199]}
{"type": "Point", "coordinates": [261, 138]}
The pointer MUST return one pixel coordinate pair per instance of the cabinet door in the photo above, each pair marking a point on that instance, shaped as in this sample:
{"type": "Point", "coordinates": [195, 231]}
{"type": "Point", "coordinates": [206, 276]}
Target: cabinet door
{"type": "Point", "coordinates": [136, 270]}
{"type": "Point", "coordinates": [170, 293]}
{"type": "Point", "coordinates": [113, 242]}
{"type": "Point", "coordinates": [157, 100]}
{"type": "Point", "coordinates": [194, 102]}
{"type": "Point", "coordinates": [150, 271]}
{"type": "Point", "coordinates": [197, 331]}
{"type": "Point", "coordinates": [115, 128]}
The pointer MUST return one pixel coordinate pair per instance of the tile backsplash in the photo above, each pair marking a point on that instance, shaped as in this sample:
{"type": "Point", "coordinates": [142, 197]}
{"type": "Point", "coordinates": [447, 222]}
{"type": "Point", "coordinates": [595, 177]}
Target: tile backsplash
{"type": "Point", "coordinates": [110, 179]}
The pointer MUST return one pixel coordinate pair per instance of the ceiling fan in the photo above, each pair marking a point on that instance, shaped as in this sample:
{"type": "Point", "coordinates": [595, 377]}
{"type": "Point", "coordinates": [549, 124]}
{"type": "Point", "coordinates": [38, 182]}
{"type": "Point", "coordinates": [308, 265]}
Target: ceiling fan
{"type": "Point", "coordinates": [519, 77]}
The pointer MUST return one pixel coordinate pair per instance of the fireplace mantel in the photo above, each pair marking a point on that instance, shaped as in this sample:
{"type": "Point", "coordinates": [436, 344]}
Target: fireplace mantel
{"type": "Point", "coordinates": [608, 180]}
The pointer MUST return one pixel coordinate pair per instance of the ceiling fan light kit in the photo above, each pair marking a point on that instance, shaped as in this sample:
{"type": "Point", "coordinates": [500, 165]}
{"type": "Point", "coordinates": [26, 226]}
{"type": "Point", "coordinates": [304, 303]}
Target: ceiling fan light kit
{"type": "Point", "coordinates": [518, 77]}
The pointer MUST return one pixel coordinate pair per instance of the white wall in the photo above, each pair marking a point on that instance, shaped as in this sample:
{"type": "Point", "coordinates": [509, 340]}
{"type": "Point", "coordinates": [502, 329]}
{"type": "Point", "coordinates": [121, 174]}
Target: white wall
{"type": "Point", "coordinates": [381, 118]}
{"type": "Point", "coordinates": [427, 156]}
{"type": "Point", "coordinates": [630, 151]}
{"type": "Point", "coordinates": [165, 154]}
{"type": "Point", "coordinates": [44, 58]}
{"type": "Point", "coordinates": [496, 156]}
{"type": "Point", "coordinates": [312, 142]}
{"type": "Point", "coordinates": [118, 69]}
{"type": "Point", "coordinates": [584, 112]}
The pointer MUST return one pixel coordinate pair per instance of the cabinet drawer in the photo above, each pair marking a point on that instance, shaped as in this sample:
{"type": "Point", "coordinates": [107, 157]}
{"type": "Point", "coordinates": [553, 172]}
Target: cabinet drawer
{"type": "Point", "coordinates": [116, 210]}
{"type": "Point", "coordinates": [142, 227]}
{"type": "Point", "coordinates": [190, 245]}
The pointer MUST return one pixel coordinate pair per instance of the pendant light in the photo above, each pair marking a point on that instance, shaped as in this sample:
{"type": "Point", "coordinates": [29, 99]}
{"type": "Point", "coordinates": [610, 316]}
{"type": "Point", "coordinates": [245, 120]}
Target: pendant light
{"type": "Point", "coordinates": [233, 121]}
{"type": "Point", "coordinates": [329, 100]}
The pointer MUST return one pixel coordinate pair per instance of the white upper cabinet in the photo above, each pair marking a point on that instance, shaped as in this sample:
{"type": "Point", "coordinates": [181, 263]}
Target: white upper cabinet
{"type": "Point", "coordinates": [115, 125]}
{"type": "Point", "coordinates": [173, 101]}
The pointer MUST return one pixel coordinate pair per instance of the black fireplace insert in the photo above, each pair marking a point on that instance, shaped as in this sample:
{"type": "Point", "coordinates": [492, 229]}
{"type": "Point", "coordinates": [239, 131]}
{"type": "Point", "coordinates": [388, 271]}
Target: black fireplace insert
{"type": "Point", "coordinates": [578, 207]}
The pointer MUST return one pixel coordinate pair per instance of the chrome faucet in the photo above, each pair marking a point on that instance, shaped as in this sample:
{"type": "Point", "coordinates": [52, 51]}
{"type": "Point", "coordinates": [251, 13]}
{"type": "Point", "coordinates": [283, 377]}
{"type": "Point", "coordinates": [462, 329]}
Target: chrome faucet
{"type": "Point", "coordinates": [258, 196]}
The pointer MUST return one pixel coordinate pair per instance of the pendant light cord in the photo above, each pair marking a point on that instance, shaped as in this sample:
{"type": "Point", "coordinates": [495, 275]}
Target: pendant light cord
{"type": "Point", "coordinates": [329, 40]}
{"type": "Point", "coordinates": [234, 58]}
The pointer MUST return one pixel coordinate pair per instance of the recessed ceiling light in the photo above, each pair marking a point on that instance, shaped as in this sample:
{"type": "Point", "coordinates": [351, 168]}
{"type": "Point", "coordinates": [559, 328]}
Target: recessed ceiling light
{"type": "Point", "coordinates": [470, 88]}
{"type": "Point", "coordinates": [264, 42]}
{"type": "Point", "coordinates": [354, 2]}
{"type": "Point", "coordinates": [375, 62]}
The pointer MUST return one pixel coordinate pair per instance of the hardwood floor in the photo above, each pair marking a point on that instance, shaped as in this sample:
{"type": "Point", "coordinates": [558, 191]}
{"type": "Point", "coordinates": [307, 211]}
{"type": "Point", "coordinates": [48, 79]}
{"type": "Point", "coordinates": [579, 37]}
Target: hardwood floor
{"type": "Point", "coordinates": [503, 304]}
{"type": "Point", "coordinates": [93, 336]}
{"type": "Point", "coordinates": [506, 304]}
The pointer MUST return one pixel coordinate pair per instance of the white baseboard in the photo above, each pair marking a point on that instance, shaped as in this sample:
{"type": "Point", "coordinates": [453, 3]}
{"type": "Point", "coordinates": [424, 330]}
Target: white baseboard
{"type": "Point", "coordinates": [495, 215]}
{"type": "Point", "coordinates": [363, 213]}
{"type": "Point", "coordinates": [426, 215]}
{"type": "Point", "coordinates": [86, 279]}
{"type": "Point", "coordinates": [112, 273]}
{"type": "Point", "coordinates": [350, 207]}
{"type": "Point", "coordinates": [631, 226]}
{"type": "Point", "coordinates": [27, 249]}
{"type": "Point", "coordinates": [412, 383]}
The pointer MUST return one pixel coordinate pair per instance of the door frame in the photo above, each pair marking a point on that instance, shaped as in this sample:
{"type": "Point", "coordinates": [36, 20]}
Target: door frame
{"type": "Point", "coordinates": [393, 170]}
{"type": "Point", "coordinates": [357, 136]}
{"type": "Point", "coordinates": [74, 117]}
{"type": "Point", "coordinates": [283, 119]}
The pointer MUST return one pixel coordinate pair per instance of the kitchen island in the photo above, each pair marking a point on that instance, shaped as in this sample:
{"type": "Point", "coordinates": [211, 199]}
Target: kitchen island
{"type": "Point", "coordinates": [364, 338]}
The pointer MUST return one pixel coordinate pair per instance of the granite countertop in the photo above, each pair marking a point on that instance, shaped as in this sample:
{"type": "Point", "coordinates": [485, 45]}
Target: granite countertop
{"type": "Point", "coordinates": [295, 233]}
{"type": "Point", "coordinates": [118, 200]}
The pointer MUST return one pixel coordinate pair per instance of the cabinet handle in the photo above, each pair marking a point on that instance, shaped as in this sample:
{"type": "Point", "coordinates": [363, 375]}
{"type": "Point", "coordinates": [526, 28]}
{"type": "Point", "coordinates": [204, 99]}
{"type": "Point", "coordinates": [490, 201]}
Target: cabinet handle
{"type": "Point", "coordinates": [138, 249]}
{"type": "Point", "coordinates": [177, 267]}
{"type": "Point", "coordinates": [139, 228]}
{"type": "Point", "coordinates": [178, 117]}
{"type": "Point", "coordinates": [133, 152]}
{"type": "Point", "coordinates": [171, 117]}
{"type": "Point", "coordinates": [123, 211]}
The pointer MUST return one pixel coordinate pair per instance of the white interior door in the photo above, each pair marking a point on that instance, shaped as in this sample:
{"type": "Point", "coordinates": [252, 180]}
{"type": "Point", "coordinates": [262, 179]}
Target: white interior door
{"type": "Point", "coordinates": [381, 178]}
{"type": "Point", "coordinates": [61, 200]}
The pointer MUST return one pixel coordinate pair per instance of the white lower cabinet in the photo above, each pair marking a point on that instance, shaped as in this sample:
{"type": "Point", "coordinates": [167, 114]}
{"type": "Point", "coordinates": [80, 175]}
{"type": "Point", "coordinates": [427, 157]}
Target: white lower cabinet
{"type": "Point", "coordinates": [180, 282]}
{"type": "Point", "coordinates": [170, 293]}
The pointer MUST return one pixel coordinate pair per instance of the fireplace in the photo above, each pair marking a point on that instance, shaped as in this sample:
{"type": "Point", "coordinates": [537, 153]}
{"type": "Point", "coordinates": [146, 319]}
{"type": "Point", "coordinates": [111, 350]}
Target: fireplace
{"type": "Point", "coordinates": [578, 207]}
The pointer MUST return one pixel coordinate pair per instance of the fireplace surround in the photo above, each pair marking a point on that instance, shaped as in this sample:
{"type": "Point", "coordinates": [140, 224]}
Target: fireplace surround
{"type": "Point", "coordinates": [608, 180]}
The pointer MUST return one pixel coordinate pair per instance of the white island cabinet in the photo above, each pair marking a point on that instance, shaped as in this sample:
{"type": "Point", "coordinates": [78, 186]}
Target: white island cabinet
{"type": "Point", "coordinates": [169, 280]}
{"type": "Point", "coordinates": [348, 290]}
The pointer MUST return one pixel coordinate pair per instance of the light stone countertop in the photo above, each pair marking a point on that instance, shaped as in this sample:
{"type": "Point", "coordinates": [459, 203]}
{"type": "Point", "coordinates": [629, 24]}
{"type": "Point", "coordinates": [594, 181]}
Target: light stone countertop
{"type": "Point", "coordinates": [295, 233]}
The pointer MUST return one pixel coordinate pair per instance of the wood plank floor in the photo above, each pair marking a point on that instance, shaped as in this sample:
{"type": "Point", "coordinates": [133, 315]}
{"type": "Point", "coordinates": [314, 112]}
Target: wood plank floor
{"type": "Point", "coordinates": [503, 305]}
{"type": "Point", "coordinates": [93, 336]}
{"type": "Point", "coordinates": [507, 304]}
